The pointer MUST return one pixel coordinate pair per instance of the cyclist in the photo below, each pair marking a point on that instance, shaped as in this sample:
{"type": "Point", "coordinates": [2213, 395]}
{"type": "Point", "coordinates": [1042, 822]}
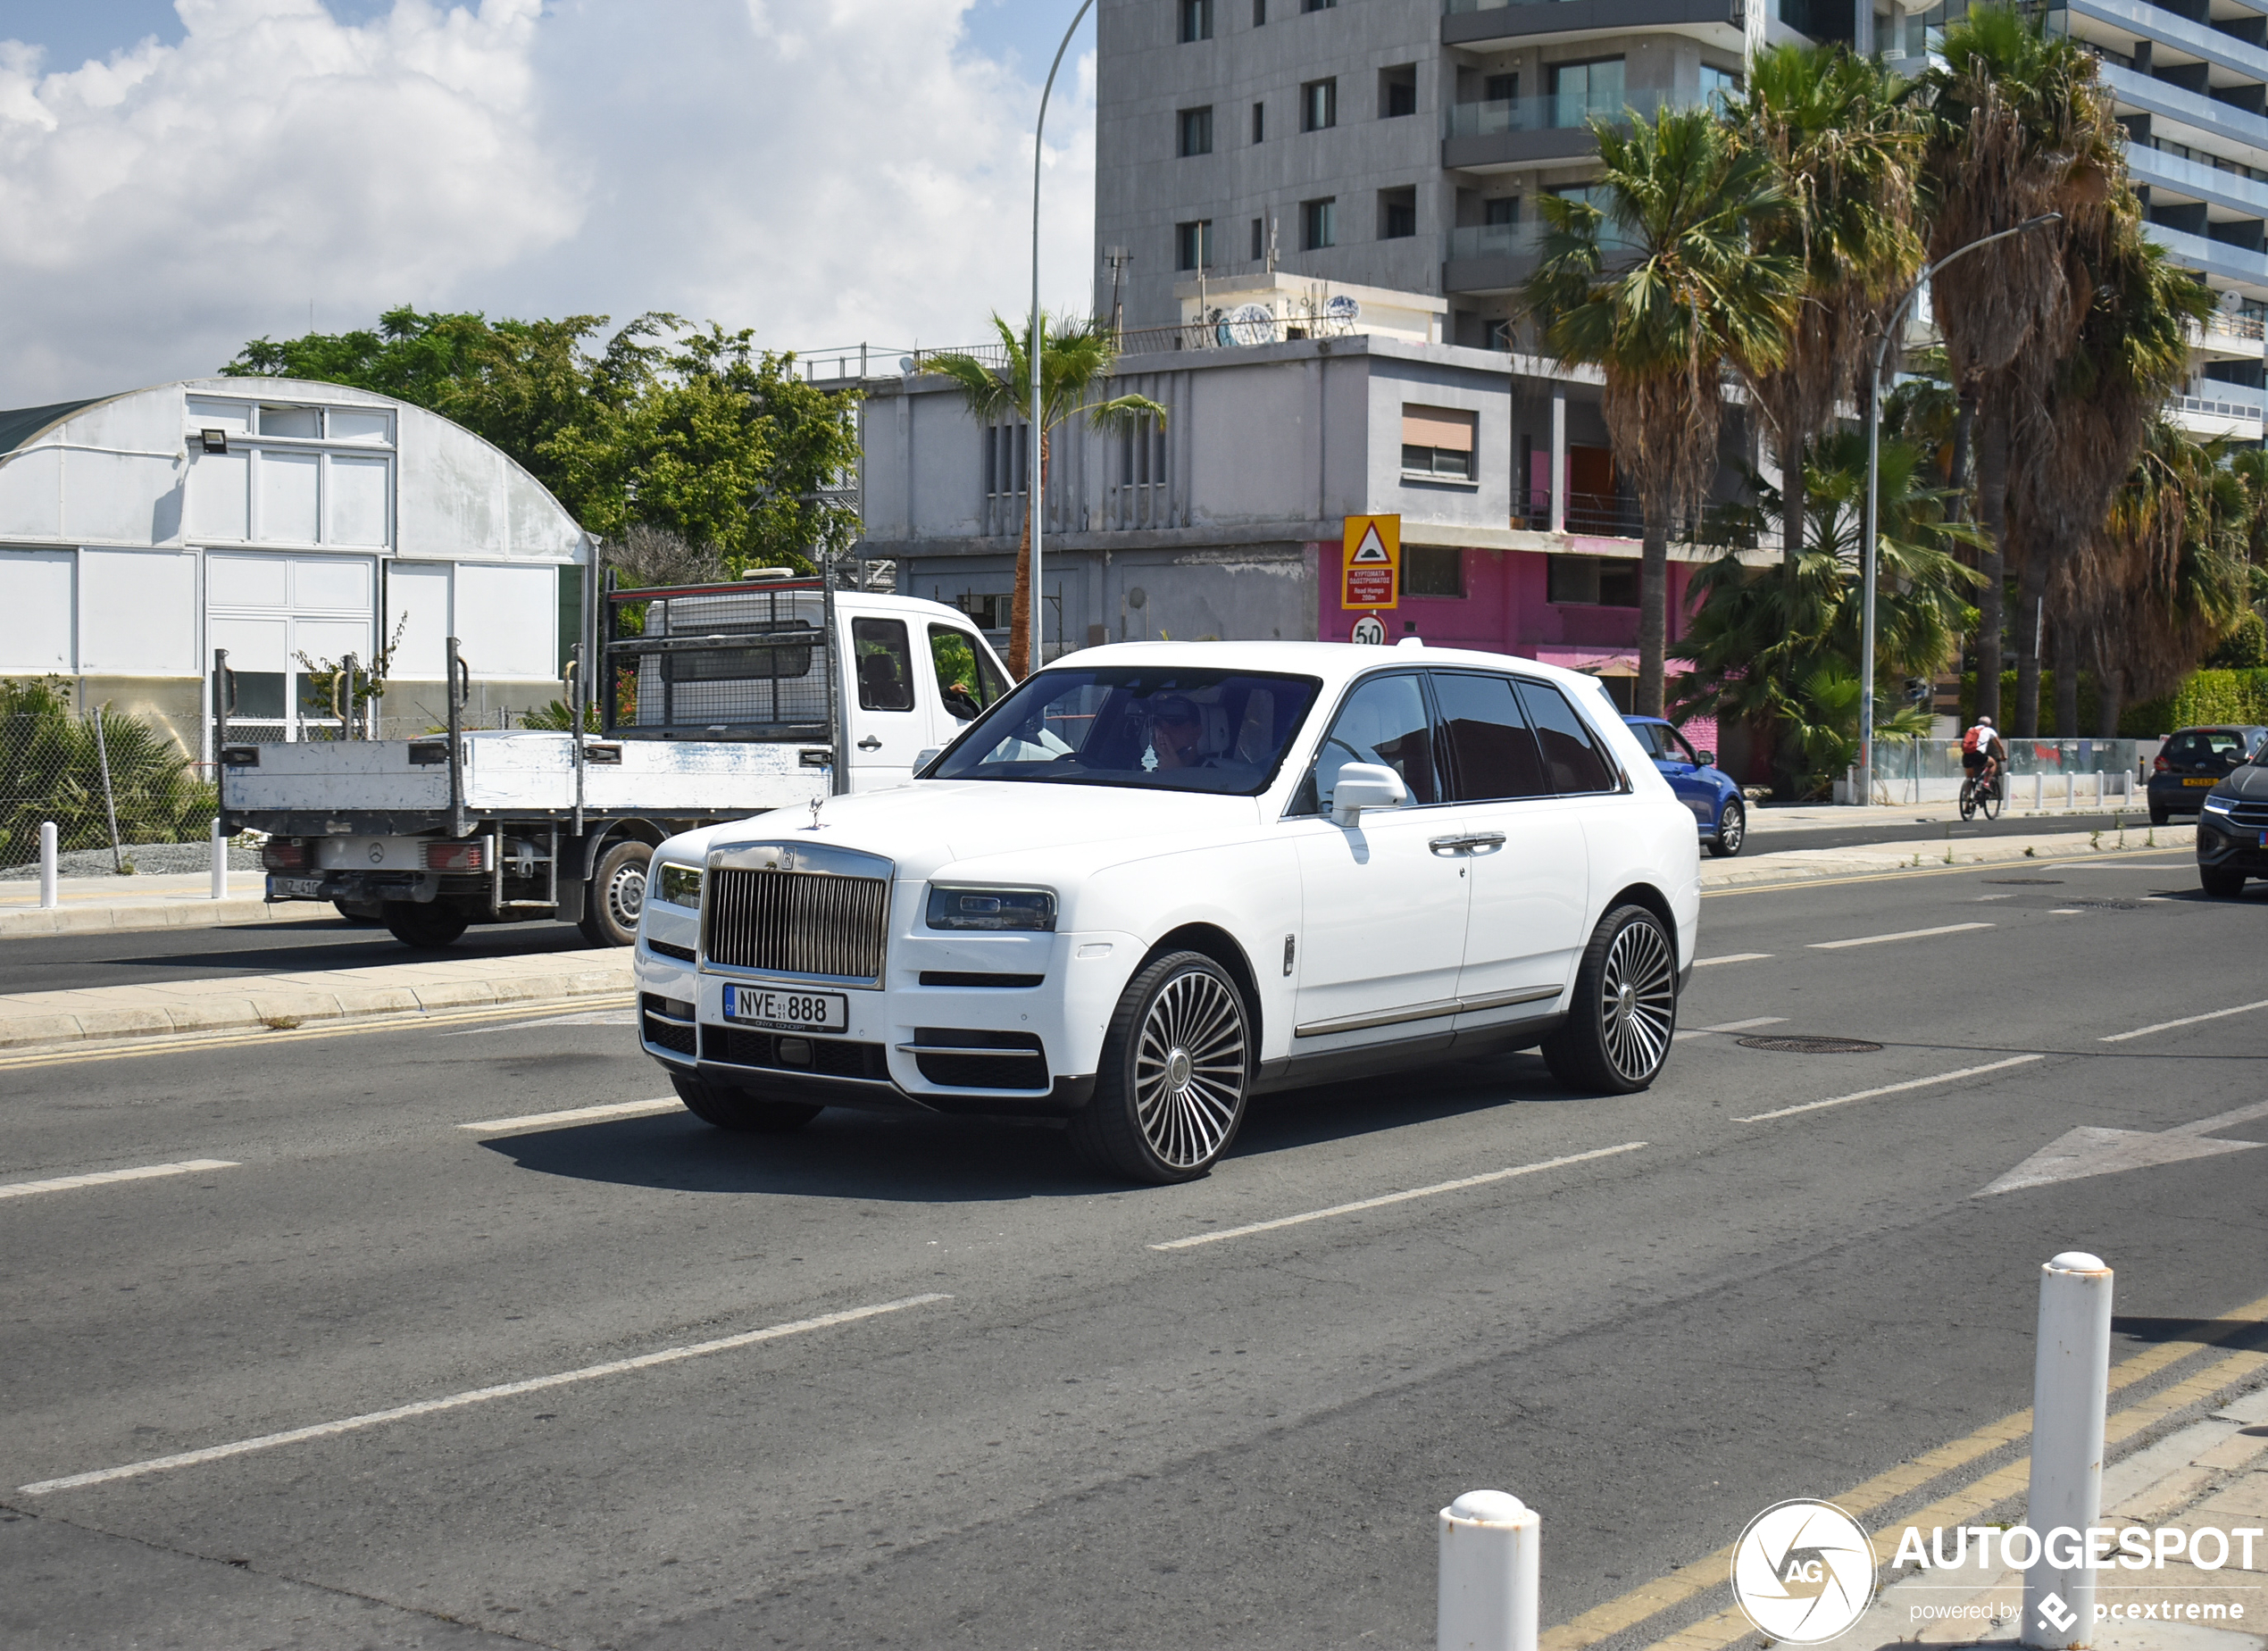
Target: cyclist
{"type": "Point", "coordinates": [1983, 755]}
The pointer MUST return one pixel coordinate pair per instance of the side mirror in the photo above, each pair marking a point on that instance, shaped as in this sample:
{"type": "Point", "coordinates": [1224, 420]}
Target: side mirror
{"type": "Point", "coordinates": [925, 756]}
{"type": "Point", "coordinates": [1365, 785]}
{"type": "Point", "coordinates": [1708, 758]}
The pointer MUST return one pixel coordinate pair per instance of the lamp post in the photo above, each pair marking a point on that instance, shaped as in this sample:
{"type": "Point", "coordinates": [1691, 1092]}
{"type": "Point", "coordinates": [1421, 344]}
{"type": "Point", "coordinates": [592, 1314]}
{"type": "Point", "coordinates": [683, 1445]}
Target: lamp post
{"type": "Point", "coordinates": [1036, 475]}
{"type": "Point", "coordinates": [1870, 545]}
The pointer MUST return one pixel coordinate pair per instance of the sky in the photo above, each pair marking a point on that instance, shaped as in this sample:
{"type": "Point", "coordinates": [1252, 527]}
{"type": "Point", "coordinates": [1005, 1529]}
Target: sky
{"type": "Point", "coordinates": [179, 176]}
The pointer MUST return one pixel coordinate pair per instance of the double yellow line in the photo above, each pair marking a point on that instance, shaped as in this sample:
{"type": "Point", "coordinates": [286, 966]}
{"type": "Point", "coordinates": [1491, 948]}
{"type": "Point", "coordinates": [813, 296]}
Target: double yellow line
{"type": "Point", "coordinates": [1957, 1507]}
{"type": "Point", "coordinates": [195, 1043]}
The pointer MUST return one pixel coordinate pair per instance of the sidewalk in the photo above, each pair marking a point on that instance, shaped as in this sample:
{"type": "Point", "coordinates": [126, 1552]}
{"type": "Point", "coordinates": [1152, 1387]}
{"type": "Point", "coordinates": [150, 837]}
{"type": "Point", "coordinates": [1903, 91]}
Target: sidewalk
{"type": "Point", "coordinates": [123, 905]}
{"type": "Point", "coordinates": [1882, 859]}
{"type": "Point", "coordinates": [1765, 819]}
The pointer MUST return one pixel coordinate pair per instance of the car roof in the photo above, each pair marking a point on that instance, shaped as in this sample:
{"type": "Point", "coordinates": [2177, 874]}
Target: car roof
{"type": "Point", "coordinates": [1335, 663]}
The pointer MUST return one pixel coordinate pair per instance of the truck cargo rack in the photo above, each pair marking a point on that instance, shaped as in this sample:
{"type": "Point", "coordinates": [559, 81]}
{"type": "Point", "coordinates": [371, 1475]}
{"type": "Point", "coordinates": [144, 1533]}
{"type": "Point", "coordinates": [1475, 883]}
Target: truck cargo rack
{"type": "Point", "coordinates": [753, 660]}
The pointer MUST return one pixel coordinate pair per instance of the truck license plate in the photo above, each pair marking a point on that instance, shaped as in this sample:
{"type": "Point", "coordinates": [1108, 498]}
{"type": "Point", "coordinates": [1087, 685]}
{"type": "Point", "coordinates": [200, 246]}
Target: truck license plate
{"type": "Point", "coordinates": [295, 888]}
{"type": "Point", "coordinates": [788, 1010]}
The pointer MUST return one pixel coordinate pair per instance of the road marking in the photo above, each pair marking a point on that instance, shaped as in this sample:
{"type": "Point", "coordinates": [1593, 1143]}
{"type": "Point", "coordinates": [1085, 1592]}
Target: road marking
{"type": "Point", "coordinates": [1398, 1198]}
{"type": "Point", "coordinates": [580, 1114]}
{"type": "Point", "coordinates": [1906, 934]}
{"type": "Point", "coordinates": [102, 1178]}
{"type": "Point", "coordinates": [2066, 910]}
{"type": "Point", "coordinates": [1731, 957]}
{"type": "Point", "coordinates": [190, 1043]}
{"type": "Point", "coordinates": [1892, 1089]}
{"type": "Point", "coordinates": [1735, 1026]}
{"type": "Point", "coordinates": [595, 1017]}
{"type": "Point", "coordinates": [1604, 1620]}
{"type": "Point", "coordinates": [458, 1400]}
{"type": "Point", "coordinates": [2187, 1019]}
{"type": "Point", "coordinates": [2080, 1153]}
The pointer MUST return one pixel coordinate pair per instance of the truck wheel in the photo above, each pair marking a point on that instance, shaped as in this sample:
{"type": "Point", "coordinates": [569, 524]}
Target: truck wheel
{"type": "Point", "coordinates": [737, 1110]}
{"type": "Point", "coordinates": [1624, 1008]}
{"type": "Point", "coordinates": [360, 911]}
{"type": "Point", "coordinates": [428, 928]}
{"type": "Point", "coordinates": [616, 895]}
{"type": "Point", "coordinates": [1176, 1070]}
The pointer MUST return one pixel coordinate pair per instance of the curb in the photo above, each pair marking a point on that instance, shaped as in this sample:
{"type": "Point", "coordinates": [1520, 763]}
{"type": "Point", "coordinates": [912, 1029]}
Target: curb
{"type": "Point", "coordinates": [286, 1007]}
{"type": "Point", "coordinates": [142, 916]}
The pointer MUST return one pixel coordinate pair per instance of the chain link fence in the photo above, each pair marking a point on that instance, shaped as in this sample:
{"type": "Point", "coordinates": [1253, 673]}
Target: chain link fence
{"type": "Point", "coordinates": [109, 781]}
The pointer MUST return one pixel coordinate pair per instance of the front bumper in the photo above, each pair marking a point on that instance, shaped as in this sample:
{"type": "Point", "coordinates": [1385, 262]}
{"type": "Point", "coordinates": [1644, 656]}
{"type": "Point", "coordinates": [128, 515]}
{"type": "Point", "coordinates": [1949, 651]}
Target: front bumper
{"type": "Point", "coordinates": [2222, 843]}
{"type": "Point", "coordinates": [906, 1046]}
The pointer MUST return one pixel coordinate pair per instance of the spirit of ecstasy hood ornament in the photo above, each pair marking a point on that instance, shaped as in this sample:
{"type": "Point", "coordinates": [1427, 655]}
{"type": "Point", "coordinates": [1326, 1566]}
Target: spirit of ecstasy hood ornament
{"type": "Point", "coordinates": [817, 803]}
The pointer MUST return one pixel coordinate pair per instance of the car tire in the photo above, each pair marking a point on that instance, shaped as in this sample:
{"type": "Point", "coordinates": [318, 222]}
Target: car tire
{"type": "Point", "coordinates": [2158, 816]}
{"type": "Point", "coordinates": [616, 895]}
{"type": "Point", "coordinates": [426, 928]}
{"type": "Point", "coordinates": [739, 1111]}
{"type": "Point", "coordinates": [1732, 831]}
{"type": "Point", "coordinates": [1175, 1076]}
{"type": "Point", "coordinates": [2222, 883]}
{"type": "Point", "coordinates": [1623, 1014]}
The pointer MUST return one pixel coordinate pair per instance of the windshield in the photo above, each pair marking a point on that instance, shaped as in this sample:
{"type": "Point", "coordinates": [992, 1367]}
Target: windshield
{"type": "Point", "coordinates": [1164, 730]}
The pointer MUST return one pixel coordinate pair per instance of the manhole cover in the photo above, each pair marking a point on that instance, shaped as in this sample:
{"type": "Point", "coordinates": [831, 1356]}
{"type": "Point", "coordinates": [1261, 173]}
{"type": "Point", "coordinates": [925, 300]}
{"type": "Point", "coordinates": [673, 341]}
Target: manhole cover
{"type": "Point", "coordinates": [2111, 905]}
{"type": "Point", "coordinates": [1813, 1045]}
{"type": "Point", "coordinates": [2029, 882]}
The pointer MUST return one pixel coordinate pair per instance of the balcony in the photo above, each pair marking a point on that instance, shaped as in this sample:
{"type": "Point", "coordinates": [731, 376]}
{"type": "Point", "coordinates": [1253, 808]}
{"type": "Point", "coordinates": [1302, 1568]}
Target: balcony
{"type": "Point", "coordinates": [2134, 17]}
{"type": "Point", "coordinates": [1505, 132]}
{"type": "Point", "coordinates": [2164, 102]}
{"type": "Point", "coordinates": [2211, 257]}
{"type": "Point", "coordinates": [1489, 24]}
{"type": "Point", "coordinates": [2164, 165]}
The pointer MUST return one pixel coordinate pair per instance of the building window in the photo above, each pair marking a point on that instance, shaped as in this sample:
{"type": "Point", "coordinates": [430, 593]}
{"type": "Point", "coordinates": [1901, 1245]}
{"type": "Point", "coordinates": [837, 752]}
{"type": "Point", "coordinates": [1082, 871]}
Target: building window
{"type": "Point", "coordinates": [1196, 20]}
{"type": "Point", "coordinates": [1318, 224]}
{"type": "Point", "coordinates": [1141, 454]}
{"type": "Point", "coordinates": [1317, 6]}
{"type": "Point", "coordinates": [1502, 209]}
{"type": "Point", "coordinates": [1433, 571]}
{"type": "Point", "coordinates": [1259, 239]}
{"type": "Point", "coordinates": [1591, 581]}
{"type": "Point", "coordinates": [1197, 131]}
{"type": "Point", "coordinates": [1397, 214]}
{"type": "Point", "coordinates": [1259, 14]}
{"type": "Point", "coordinates": [1259, 122]}
{"type": "Point", "coordinates": [1581, 90]}
{"type": "Point", "coordinates": [1438, 441]}
{"type": "Point", "coordinates": [1718, 85]}
{"type": "Point", "coordinates": [1319, 104]}
{"type": "Point", "coordinates": [1397, 91]}
{"type": "Point", "coordinates": [1007, 459]}
{"type": "Point", "coordinates": [1193, 245]}
{"type": "Point", "coordinates": [1501, 88]}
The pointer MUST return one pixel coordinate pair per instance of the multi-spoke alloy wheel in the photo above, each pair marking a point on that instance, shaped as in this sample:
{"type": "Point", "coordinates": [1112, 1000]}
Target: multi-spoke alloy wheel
{"type": "Point", "coordinates": [1624, 1010]}
{"type": "Point", "coordinates": [1732, 831]}
{"type": "Point", "coordinates": [1175, 1072]}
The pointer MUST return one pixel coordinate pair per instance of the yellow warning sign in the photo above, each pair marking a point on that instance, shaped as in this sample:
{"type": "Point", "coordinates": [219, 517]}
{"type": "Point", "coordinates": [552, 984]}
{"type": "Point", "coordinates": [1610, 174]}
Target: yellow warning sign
{"type": "Point", "coordinates": [1371, 574]}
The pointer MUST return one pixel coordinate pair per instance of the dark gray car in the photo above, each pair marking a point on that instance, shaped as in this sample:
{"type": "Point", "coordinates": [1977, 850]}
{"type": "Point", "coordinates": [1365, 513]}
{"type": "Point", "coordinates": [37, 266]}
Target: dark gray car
{"type": "Point", "coordinates": [2233, 832]}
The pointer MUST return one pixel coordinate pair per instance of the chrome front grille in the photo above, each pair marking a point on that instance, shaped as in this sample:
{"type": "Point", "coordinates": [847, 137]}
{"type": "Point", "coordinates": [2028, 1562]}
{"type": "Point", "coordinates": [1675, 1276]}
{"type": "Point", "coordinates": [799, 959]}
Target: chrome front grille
{"type": "Point", "coordinates": [808, 924]}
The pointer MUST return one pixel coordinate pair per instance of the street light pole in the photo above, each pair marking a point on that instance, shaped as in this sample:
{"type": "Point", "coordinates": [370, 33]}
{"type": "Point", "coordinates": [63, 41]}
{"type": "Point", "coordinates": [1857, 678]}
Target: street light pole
{"type": "Point", "coordinates": [1869, 541]}
{"type": "Point", "coordinates": [1035, 475]}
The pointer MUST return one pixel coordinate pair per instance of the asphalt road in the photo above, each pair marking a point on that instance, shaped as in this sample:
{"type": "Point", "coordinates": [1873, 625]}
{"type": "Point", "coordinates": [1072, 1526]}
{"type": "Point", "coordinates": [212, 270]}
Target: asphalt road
{"type": "Point", "coordinates": [1087, 1441]}
{"type": "Point", "coordinates": [71, 963]}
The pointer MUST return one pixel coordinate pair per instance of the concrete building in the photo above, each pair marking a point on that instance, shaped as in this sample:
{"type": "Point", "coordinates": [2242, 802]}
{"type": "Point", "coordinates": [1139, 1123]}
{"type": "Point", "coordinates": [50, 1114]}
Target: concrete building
{"type": "Point", "coordinates": [285, 522]}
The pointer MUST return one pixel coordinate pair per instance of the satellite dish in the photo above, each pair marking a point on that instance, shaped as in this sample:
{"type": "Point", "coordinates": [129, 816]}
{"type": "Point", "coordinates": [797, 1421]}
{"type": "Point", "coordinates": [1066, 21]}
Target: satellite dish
{"type": "Point", "coordinates": [1344, 307]}
{"type": "Point", "coordinates": [905, 363]}
{"type": "Point", "coordinates": [1248, 324]}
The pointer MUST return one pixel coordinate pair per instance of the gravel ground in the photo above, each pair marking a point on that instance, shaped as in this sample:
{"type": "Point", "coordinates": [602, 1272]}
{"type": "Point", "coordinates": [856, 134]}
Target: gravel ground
{"type": "Point", "coordinates": [150, 859]}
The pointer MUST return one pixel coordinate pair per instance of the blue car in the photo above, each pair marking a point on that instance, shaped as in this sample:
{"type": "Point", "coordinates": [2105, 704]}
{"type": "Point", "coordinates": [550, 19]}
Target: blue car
{"type": "Point", "coordinates": [1708, 791]}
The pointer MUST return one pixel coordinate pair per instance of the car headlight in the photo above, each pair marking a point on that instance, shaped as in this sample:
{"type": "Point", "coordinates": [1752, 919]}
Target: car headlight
{"type": "Point", "coordinates": [679, 884]}
{"type": "Point", "coordinates": [2220, 804]}
{"type": "Point", "coordinates": [991, 908]}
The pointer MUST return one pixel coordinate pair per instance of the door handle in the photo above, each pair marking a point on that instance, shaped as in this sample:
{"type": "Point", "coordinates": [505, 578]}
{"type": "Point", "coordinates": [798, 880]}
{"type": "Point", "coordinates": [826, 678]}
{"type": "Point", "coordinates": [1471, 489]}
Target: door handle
{"type": "Point", "coordinates": [1472, 843]}
{"type": "Point", "coordinates": [870, 744]}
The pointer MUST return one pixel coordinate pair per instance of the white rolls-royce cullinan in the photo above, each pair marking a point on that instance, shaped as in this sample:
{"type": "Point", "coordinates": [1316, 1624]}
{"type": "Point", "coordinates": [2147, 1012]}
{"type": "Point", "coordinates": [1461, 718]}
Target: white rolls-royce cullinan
{"type": "Point", "coordinates": [1157, 877]}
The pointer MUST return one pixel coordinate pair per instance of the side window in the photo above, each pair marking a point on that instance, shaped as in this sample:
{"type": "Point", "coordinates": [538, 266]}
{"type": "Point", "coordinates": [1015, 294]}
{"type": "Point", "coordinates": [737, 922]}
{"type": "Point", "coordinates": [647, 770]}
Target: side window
{"type": "Point", "coordinates": [1492, 753]}
{"type": "Point", "coordinates": [885, 665]}
{"type": "Point", "coordinates": [1571, 758]}
{"type": "Point", "coordinates": [1385, 722]}
{"type": "Point", "coordinates": [1677, 747]}
{"type": "Point", "coordinates": [1649, 738]}
{"type": "Point", "coordinates": [967, 681]}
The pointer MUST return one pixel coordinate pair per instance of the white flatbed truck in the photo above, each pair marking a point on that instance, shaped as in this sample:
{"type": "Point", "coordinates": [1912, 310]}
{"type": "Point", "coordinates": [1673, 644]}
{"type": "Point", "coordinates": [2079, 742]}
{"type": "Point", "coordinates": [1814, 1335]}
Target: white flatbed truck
{"type": "Point", "coordinates": [715, 701]}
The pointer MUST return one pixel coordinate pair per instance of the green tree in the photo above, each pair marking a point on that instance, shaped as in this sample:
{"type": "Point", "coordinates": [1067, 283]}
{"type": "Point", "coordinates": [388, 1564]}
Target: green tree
{"type": "Point", "coordinates": [1846, 144]}
{"type": "Point", "coordinates": [1076, 359]}
{"type": "Point", "coordinates": [1661, 284]}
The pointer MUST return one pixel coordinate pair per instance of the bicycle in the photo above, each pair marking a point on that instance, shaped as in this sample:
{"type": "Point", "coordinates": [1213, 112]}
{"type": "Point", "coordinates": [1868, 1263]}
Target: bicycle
{"type": "Point", "coordinates": [1988, 797]}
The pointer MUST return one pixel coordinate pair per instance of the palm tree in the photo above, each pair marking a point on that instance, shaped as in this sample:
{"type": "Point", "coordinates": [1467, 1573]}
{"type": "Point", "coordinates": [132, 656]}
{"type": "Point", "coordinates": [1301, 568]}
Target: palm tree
{"type": "Point", "coordinates": [1075, 357]}
{"type": "Point", "coordinates": [2019, 126]}
{"type": "Point", "coordinates": [1847, 145]}
{"type": "Point", "coordinates": [2079, 429]}
{"type": "Point", "coordinates": [1688, 294]}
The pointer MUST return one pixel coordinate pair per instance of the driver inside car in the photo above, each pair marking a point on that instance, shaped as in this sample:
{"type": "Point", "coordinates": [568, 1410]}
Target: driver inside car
{"type": "Point", "coordinates": [1176, 726]}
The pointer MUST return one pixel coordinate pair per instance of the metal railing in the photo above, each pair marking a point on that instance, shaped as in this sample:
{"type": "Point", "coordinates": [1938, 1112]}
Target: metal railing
{"type": "Point", "coordinates": [2041, 773]}
{"type": "Point", "coordinates": [2219, 409]}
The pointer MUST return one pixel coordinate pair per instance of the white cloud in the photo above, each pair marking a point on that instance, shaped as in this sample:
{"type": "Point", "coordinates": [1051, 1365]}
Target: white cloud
{"type": "Point", "coordinates": [825, 171]}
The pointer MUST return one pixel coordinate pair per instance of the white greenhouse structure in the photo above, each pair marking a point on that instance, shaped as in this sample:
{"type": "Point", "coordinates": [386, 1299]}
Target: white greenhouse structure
{"type": "Point", "coordinates": [291, 523]}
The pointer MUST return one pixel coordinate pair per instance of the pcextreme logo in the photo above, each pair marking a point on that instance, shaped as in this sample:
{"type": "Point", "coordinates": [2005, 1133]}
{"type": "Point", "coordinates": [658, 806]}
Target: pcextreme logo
{"type": "Point", "coordinates": [1803, 1571]}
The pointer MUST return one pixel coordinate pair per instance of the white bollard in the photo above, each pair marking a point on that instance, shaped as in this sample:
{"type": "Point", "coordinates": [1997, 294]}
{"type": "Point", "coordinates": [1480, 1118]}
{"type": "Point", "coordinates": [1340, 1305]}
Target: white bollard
{"type": "Point", "coordinates": [2070, 791]}
{"type": "Point", "coordinates": [49, 896]}
{"type": "Point", "coordinates": [1490, 1584]}
{"type": "Point", "coordinates": [2038, 792]}
{"type": "Point", "coordinates": [220, 862]}
{"type": "Point", "coordinates": [2071, 1382]}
